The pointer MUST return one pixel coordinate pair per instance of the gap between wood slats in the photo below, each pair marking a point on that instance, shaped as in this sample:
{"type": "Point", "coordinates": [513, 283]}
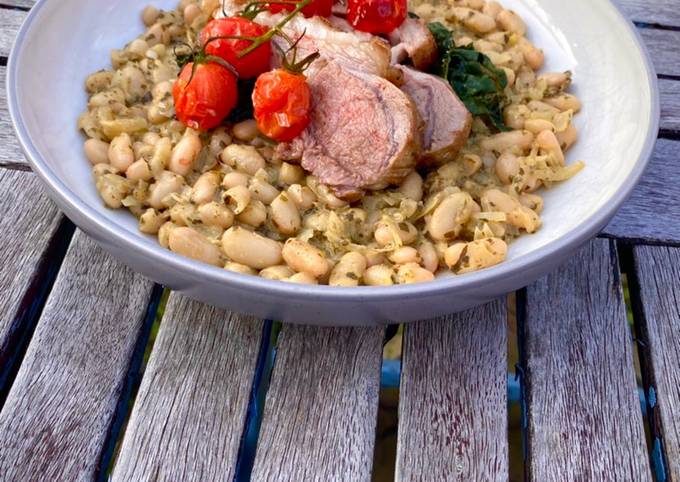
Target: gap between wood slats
{"type": "Point", "coordinates": [628, 284]}
{"type": "Point", "coordinates": [31, 306]}
{"type": "Point", "coordinates": [132, 381]}
{"type": "Point", "coordinates": [664, 468]}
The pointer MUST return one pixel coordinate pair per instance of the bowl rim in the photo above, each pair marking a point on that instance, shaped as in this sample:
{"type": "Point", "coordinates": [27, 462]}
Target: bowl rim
{"type": "Point", "coordinates": [586, 230]}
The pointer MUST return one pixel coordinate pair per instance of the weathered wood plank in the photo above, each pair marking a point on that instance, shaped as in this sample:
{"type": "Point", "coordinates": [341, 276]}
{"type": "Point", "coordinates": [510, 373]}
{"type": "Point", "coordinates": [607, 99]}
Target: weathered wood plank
{"type": "Point", "coordinates": [10, 21]}
{"type": "Point", "coordinates": [453, 400]}
{"type": "Point", "coordinates": [19, 3]}
{"type": "Point", "coordinates": [10, 152]}
{"type": "Point", "coordinates": [189, 415]}
{"type": "Point", "coordinates": [57, 419]}
{"type": "Point", "coordinates": [662, 47]}
{"type": "Point", "coordinates": [321, 408]}
{"type": "Point", "coordinates": [670, 104]}
{"type": "Point", "coordinates": [584, 415]}
{"type": "Point", "coordinates": [652, 214]}
{"type": "Point", "coordinates": [656, 298]}
{"type": "Point", "coordinates": [664, 12]}
{"type": "Point", "coordinates": [27, 226]}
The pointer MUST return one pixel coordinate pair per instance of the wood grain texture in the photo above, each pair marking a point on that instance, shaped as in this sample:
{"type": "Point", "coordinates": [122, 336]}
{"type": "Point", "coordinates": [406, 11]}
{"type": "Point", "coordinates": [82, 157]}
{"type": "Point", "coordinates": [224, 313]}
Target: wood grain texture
{"type": "Point", "coordinates": [453, 422]}
{"type": "Point", "coordinates": [57, 417]}
{"type": "Point", "coordinates": [652, 214]}
{"type": "Point", "coordinates": [669, 91]}
{"type": "Point", "coordinates": [584, 416]}
{"type": "Point", "coordinates": [321, 408]}
{"type": "Point", "coordinates": [664, 12]}
{"type": "Point", "coordinates": [662, 47]}
{"type": "Point", "coordinates": [26, 4]}
{"type": "Point", "coordinates": [10, 21]}
{"type": "Point", "coordinates": [28, 224]}
{"type": "Point", "coordinates": [189, 415]}
{"type": "Point", "coordinates": [10, 153]}
{"type": "Point", "coordinates": [657, 299]}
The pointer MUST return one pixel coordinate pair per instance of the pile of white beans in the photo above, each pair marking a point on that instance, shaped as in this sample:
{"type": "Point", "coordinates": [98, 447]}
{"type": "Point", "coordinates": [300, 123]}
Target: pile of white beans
{"type": "Point", "coordinates": [223, 198]}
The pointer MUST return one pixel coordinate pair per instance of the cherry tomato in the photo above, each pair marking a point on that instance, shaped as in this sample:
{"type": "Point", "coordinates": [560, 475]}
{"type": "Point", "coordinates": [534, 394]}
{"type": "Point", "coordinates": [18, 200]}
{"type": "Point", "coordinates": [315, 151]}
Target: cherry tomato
{"type": "Point", "coordinates": [281, 104]}
{"type": "Point", "coordinates": [207, 99]}
{"type": "Point", "coordinates": [248, 66]}
{"type": "Point", "coordinates": [322, 8]}
{"type": "Point", "coordinates": [376, 16]}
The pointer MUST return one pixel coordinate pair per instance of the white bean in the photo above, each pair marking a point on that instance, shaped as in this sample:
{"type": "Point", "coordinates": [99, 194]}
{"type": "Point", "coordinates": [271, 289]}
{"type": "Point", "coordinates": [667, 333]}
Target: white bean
{"type": "Point", "coordinates": [303, 257]}
{"type": "Point", "coordinates": [504, 141]}
{"type": "Point", "coordinates": [262, 190]}
{"type": "Point", "coordinates": [413, 273]}
{"type": "Point", "coordinates": [150, 221]}
{"type": "Point", "coordinates": [564, 102]}
{"type": "Point", "coordinates": [239, 268]}
{"type": "Point", "coordinates": [113, 189]}
{"type": "Point", "coordinates": [507, 167]}
{"type": "Point", "coordinates": [547, 141]}
{"type": "Point", "coordinates": [492, 9]}
{"type": "Point", "coordinates": [205, 187]}
{"type": "Point", "coordinates": [166, 183]}
{"type": "Point", "coordinates": [449, 216]}
{"type": "Point", "coordinates": [185, 153]}
{"type": "Point", "coordinates": [121, 155]}
{"type": "Point", "coordinates": [238, 197]}
{"type": "Point", "coordinates": [429, 257]}
{"type": "Point", "coordinates": [303, 197]}
{"type": "Point", "coordinates": [251, 249]}
{"type": "Point", "coordinates": [216, 214]}
{"type": "Point", "coordinates": [405, 255]}
{"type": "Point", "coordinates": [233, 179]}
{"type": "Point", "coordinates": [303, 279]}
{"type": "Point", "coordinates": [150, 15]}
{"type": "Point", "coordinates": [138, 171]}
{"type": "Point", "coordinates": [96, 151]}
{"type": "Point", "coordinates": [285, 215]}
{"type": "Point", "coordinates": [511, 22]}
{"type": "Point", "coordinates": [567, 137]}
{"type": "Point", "coordinates": [349, 270]}
{"type": "Point", "coordinates": [412, 187]}
{"type": "Point", "coordinates": [164, 233]}
{"type": "Point", "coordinates": [254, 215]}
{"type": "Point", "coordinates": [246, 130]}
{"type": "Point", "coordinates": [194, 245]}
{"type": "Point", "coordinates": [474, 20]}
{"type": "Point", "coordinates": [243, 158]}
{"type": "Point", "coordinates": [191, 13]}
{"type": "Point", "coordinates": [278, 273]}
{"type": "Point", "coordinates": [403, 233]}
{"type": "Point", "coordinates": [379, 275]}
{"type": "Point", "coordinates": [290, 174]}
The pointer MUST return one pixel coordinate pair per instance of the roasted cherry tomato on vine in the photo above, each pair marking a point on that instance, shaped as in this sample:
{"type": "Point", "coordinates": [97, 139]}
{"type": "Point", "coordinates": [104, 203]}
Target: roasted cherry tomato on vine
{"type": "Point", "coordinates": [322, 8]}
{"type": "Point", "coordinates": [250, 65]}
{"type": "Point", "coordinates": [281, 104]}
{"type": "Point", "coordinates": [376, 16]}
{"type": "Point", "coordinates": [204, 100]}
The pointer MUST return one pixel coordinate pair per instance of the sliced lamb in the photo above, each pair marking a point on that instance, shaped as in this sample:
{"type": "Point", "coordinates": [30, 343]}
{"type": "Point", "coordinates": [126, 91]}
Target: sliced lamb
{"type": "Point", "coordinates": [447, 120]}
{"type": "Point", "coordinates": [364, 132]}
{"type": "Point", "coordinates": [354, 50]}
{"type": "Point", "coordinates": [413, 40]}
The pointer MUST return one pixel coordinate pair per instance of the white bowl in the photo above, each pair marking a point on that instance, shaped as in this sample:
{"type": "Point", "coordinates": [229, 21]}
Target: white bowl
{"type": "Point", "coordinates": [62, 41]}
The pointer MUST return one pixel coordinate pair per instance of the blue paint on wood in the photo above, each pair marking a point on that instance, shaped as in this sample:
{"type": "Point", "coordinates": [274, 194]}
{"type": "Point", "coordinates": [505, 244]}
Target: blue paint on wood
{"type": "Point", "coordinates": [657, 460]}
{"type": "Point", "coordinates": [651, 399]}
{"type": "Point", "coordinates": [265, 364]}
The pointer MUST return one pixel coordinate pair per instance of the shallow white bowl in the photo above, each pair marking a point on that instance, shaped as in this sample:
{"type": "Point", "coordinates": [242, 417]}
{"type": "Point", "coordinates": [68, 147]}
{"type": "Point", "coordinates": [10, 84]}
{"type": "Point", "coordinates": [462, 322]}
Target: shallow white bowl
{"type": "Point", "coordinates": [62, 41]}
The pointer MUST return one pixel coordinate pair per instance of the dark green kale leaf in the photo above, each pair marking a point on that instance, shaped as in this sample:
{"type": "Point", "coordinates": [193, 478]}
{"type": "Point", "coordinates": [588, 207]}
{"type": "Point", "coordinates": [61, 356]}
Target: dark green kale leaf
{"type": "Point", "coordinates": [476, 80]}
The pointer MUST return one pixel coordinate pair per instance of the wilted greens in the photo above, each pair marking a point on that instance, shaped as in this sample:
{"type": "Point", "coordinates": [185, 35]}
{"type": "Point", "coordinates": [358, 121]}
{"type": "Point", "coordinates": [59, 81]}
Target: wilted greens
{"type": "Point", "coordinates": [476, 80]}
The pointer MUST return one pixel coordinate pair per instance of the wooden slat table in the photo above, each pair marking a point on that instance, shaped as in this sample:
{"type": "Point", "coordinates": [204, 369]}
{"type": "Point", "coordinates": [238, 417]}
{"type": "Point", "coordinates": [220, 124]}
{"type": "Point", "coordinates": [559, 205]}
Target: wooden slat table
{"type": "Point", "coordinates": [226, 397]}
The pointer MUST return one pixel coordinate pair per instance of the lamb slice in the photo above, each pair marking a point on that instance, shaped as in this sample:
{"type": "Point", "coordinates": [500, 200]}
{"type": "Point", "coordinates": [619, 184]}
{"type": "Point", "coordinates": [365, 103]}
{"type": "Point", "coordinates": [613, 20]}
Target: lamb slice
{"type": "Point", "coordinates": [364, 133]}
{"type": "Point", "coordinates": [447, 120]}
{"type": "Point", "coordinates": [413, 40]}
{"type": "Point", "coordinates": [352, 49]}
